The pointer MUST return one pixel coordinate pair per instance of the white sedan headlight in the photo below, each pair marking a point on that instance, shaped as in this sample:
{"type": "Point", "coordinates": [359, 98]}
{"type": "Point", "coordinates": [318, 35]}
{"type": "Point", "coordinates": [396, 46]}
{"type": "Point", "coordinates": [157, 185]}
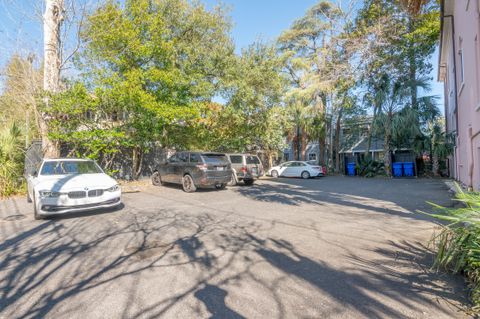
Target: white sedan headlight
{"type": "Point", "coordinates": [49, 194]}
{"type": "Point", "coordinates": [114, 188]}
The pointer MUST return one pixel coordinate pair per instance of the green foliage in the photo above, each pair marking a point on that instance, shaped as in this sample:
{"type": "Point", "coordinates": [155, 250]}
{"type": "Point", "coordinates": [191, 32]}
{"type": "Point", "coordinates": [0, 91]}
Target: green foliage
{"type": "Point", "coordinates": [368, 167]}
{"type": "Point", "coordinates": [151, 78]}
{"type": "Point", "coordinates": [458, 243]}
{"type": "Point", "coordinates": [145, 79]}
{"type": "Point", "coordinates": [403, 37]}
{"type": "Point", "coordinates": [11, 160]}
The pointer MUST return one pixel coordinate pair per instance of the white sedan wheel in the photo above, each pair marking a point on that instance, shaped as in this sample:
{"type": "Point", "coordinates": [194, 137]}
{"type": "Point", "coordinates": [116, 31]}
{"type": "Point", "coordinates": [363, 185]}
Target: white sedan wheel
{"type": "Point", "coordinates": [305, 175]}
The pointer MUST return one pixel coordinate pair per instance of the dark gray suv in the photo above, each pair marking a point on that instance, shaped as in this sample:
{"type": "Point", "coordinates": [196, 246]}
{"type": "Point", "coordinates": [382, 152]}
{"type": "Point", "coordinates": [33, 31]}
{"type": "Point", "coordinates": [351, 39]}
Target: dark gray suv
{"type": "Point", "coordinates": [193, 170]}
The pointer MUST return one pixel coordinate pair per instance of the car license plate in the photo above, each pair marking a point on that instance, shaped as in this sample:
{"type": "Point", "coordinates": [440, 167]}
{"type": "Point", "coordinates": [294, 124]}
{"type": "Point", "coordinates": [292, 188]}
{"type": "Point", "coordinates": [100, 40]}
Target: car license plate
{"type": "Point", "coordinates": [254, 171]}
{"type": "Point", "coordinates": [219, 168]}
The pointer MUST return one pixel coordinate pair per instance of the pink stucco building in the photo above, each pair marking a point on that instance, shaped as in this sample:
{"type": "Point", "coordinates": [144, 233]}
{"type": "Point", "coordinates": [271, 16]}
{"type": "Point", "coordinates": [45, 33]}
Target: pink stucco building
{"type": "Point", "coordinates": [459, 70]}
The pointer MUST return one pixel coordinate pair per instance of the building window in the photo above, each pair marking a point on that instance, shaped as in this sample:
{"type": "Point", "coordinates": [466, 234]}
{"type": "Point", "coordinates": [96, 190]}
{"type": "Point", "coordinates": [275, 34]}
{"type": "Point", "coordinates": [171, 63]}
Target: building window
{"type": "Point", "coordinates": [312, 156]}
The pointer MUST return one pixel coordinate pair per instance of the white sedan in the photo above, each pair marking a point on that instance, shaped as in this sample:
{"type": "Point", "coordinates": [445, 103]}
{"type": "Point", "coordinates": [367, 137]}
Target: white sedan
{"type": "Point", "coordinates": [70, 185]}
{"type": "Point", "coordinates": [301, 169]}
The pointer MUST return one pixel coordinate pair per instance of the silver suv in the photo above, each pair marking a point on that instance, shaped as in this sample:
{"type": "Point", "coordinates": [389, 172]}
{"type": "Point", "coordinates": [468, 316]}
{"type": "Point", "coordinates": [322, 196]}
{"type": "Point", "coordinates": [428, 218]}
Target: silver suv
{"type": "Point", "coordinates": [245, 167]}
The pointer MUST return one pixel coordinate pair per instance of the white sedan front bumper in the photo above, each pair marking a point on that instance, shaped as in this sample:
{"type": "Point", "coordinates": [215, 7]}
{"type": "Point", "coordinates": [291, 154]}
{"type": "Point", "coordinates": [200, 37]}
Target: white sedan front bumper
{"type": "Point", "coordinates": [65, 204]}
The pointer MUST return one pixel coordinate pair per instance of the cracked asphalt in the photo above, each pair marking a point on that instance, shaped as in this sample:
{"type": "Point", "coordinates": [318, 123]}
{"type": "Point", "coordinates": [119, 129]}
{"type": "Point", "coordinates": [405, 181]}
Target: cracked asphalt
{"type": "Point", "coordinates": [334, 247]}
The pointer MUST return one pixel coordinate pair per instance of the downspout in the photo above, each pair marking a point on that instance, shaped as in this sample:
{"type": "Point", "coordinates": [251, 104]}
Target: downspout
{"type": "Point", "coordinates": [472, 163]}
{"type": "Point", "coordinates": [454, 68]}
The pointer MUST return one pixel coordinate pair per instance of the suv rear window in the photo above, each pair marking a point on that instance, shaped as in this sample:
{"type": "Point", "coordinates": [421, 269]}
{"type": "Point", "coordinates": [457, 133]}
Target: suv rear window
{"type": "Point", "coordinates": [236, 159]}
{"type": "Point", "coordinates": [252, 160]}
{"type": "Point", "coordinates": [214, 159]}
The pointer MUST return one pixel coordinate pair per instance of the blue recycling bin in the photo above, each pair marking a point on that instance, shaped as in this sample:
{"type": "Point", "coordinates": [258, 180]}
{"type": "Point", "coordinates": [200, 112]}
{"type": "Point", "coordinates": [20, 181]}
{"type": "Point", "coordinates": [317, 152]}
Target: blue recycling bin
{"type": "Point", "coordinates": [351, 169]}
{"type": "Point", "coordinates": [408, 169]}
{"type": "Point", "coordinates": [397, 169]}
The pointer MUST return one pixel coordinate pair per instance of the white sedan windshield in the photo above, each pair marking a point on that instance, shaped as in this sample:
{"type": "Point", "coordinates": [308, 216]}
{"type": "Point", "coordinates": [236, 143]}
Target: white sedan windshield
{"type": "Point", "coordinates": [70, 167]}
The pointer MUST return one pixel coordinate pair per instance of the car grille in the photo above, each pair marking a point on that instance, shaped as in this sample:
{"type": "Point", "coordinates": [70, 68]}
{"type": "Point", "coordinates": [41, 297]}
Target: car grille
{"type": "Point", "coordinates": [95, 192]}
{"type": "Point", "coordinates": [77, 194]}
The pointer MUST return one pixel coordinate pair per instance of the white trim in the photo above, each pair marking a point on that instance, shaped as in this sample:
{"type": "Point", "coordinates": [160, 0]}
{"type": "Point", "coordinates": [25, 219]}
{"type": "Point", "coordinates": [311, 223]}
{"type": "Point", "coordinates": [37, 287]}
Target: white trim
{"type": "Point", "coordinates": [462, 86]}
{"type": "Point", "coordinates": [462, 66]}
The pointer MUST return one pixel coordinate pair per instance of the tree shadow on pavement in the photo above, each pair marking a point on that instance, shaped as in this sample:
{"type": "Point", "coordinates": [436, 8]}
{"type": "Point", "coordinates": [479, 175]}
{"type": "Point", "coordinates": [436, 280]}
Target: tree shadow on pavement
{"type": "Point", "coordinates": [56, 266]}
{"type": "Point", "coordinates": [372, 288]}
{"type": "Point", "coordinates": [373, 195]}
{"type": "Point", "coordinates": [214, 299]}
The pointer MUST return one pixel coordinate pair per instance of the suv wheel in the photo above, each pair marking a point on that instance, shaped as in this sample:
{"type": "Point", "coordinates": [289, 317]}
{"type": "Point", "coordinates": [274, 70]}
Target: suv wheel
{"type": "Point", "coordinates": [305, 175]}
{"type": "Point", "coordinates": [248, 182]}
{"type": "Point", "coordinates": [157, 179]}
{"type": "Point", "coordinates": [188, 184]}
{"type": "Point", "coordinates": [274, 174]}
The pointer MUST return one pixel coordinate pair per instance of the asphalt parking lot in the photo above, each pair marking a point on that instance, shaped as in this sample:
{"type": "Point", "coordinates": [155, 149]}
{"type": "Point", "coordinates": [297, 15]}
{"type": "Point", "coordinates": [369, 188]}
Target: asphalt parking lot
{"type": "Point", "coordinates": [334, 247]}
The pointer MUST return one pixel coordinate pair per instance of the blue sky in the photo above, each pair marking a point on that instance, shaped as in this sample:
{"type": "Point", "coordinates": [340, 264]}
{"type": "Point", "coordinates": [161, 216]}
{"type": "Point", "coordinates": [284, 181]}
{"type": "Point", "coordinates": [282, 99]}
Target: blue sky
{"type": "Point", "coordinates": [20, 28]}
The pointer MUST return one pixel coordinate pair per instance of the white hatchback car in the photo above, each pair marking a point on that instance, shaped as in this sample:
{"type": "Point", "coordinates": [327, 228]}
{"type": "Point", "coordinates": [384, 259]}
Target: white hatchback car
{"type": "Point", "coordinates": [70, 185]}
{"type": "Point", "coordinates": [296, 169]}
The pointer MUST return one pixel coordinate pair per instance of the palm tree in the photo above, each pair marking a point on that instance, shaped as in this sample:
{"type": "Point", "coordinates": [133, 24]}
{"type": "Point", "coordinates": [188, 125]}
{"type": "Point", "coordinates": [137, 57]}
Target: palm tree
{"type": "Point", "coordinates": [439, 142]}
{"type": "Point", "coordinates": [394, 120]}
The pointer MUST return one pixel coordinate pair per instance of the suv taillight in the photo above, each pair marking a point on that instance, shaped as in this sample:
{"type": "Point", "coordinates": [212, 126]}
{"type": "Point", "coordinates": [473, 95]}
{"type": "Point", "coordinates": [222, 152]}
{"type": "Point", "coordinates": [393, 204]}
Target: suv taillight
{"type": "Point", "coordinates": [244, 169]}
{"type": "Point", "coordinates": [202, 167]}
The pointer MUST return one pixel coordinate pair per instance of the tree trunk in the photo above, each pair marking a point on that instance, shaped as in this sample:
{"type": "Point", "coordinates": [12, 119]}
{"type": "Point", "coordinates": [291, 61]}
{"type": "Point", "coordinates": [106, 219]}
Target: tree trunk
{"type": "Point", "coordinates": [322, 105]}
{"type": "Point", "coordinates": [387, 156]}
{"type": "Point", "coordinates": [412, 66]}
{"type": "Point", "coordinates": [435, 165]}
{"type": "Point", "coordinates": [303, 146]}
{"type": "Point", "coordinates": [137, 159]}
{"type": "Point", "coordinates": [270, 159]}
{"type": "Point", "coordinates": [370, 131]}
{"type": "Point", "coordinates": [337, 140]}
{"type": "Point", "coordinates": [297, 144]}
{"type": "Point", "coordinates": [52, 21]}
{"type": "Point", "coordinates": [321, 151]}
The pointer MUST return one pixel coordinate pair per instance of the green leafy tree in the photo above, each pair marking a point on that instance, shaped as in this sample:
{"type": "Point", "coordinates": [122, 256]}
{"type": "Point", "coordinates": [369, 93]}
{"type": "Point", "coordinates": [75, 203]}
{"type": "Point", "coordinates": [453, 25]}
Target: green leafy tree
{"type": "Point", "coordinates": [145, 77]}
{"type": "Point", "coordinates": [313, 48]}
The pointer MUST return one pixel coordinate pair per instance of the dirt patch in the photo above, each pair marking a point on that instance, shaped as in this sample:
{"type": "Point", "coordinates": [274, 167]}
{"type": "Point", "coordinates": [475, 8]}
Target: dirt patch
{"type": "Point", "coordinates": [12, 218]}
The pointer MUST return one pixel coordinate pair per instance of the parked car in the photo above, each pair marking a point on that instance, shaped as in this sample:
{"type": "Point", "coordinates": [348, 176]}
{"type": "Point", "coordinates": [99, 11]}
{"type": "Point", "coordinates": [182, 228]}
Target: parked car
{"type": "Point", "coordinates": [67, 185]}
{"type": "Point", "coordinates": [193, 170]}
{"type": "Point", "coordinates": [246, 168]}
{"type": "Point", "coordinates": [315, 163]}
{"type": "Point", "coordinates": [301, 169]}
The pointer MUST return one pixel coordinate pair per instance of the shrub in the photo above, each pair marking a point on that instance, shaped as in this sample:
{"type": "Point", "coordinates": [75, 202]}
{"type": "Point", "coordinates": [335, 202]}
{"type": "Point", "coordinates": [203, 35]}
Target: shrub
{"type": "Point", "coordinates": [11, 160]}
{"type": "Point", "coordinates": [458, 242]}
{"type": "Point", "coordinates": [368, 167]}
